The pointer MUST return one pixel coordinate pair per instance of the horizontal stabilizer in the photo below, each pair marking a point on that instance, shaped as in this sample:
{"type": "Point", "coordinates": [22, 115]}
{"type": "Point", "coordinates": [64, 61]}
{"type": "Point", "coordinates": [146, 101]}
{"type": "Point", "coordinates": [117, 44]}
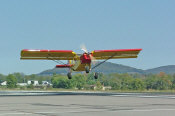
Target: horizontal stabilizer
{"type": "Point", "coordinates": [64, 66]}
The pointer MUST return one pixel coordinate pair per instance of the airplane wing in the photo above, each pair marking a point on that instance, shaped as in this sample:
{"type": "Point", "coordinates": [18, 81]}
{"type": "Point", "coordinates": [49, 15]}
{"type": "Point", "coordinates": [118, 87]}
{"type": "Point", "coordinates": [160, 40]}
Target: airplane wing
{"type": "Point", "coordinates": [115, 54]}
{"type": "Point", "coordinates": [48, 54]}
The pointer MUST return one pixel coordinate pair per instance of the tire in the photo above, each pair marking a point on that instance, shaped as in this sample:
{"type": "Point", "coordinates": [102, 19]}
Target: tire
{"type": "Point", "coordinates": [69, 75]}
{"type": "Point", "coordinates": [96, 75]}
{"type": "Point", "coordinates": [87, 69]}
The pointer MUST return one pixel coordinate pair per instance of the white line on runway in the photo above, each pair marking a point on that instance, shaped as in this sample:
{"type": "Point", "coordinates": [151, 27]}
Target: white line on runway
{"type": "Point", "coordinates": [169, 97]}
{"type": "Point", "coordinates": [146, 110]}
{"type": "Point", "coordinates": [134, 110]}
{"type": "Point", "coordinates": [15, 113]}
{"type": "Point", "coordinates": [45, 112]}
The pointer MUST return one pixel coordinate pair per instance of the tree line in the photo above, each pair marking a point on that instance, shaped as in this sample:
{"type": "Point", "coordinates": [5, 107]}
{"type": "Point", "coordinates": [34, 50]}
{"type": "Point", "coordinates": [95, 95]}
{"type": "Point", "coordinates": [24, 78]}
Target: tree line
{"type": "Point", "coordinates": [116, 81]}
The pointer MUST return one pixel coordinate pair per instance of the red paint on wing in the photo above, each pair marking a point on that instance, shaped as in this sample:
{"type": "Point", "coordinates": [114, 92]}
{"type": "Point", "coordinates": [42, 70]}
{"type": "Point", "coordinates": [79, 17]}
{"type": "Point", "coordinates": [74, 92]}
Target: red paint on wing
{"type": "Point", "coordinates": [118, 50]}
{"type": "Point", "coordinates": [28, 50]}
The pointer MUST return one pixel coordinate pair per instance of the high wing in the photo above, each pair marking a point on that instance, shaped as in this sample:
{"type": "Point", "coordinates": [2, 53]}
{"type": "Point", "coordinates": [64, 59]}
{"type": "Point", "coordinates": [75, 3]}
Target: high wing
{"type": "Point", "coordinates": [48, 54]}
{"type": "Point", "coordinates": [115, 54]}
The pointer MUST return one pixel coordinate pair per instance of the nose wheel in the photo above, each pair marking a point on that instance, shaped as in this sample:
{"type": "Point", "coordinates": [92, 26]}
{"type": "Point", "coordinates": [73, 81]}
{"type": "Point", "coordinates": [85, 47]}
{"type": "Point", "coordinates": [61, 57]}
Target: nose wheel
{"type": "Point", "coordinates": [87, 69]}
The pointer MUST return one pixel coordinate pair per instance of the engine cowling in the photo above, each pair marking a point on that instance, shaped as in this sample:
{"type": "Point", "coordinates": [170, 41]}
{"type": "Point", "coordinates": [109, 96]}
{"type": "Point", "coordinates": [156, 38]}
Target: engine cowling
{"type": "Point", "coordinates": [85, 59]}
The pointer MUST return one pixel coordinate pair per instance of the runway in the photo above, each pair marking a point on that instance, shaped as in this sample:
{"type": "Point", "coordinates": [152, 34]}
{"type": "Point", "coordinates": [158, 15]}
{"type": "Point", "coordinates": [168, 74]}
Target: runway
{"type": "Point", "coordinates": [85, 104]}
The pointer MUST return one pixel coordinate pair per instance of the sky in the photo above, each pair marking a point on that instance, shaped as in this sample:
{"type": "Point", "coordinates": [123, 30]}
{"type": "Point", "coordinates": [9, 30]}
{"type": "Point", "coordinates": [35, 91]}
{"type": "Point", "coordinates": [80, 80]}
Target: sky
{"type": "Point", "coordinates": [99, 24]}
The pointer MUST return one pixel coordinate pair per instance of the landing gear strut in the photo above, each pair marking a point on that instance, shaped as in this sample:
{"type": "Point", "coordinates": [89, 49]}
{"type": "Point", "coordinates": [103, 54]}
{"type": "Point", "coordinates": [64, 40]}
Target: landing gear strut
{"type": "Point", "coordinates": [87, 69]}
{"type": "Point", "coordinates": [69, 75]}
{"type": "Point", "coordinates": [96, 75]}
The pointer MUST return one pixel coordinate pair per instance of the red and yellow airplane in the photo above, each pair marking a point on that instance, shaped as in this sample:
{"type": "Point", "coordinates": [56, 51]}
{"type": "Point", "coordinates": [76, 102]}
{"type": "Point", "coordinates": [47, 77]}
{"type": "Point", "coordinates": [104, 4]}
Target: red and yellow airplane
{"type": "Point", "coordinates": [79, 62]}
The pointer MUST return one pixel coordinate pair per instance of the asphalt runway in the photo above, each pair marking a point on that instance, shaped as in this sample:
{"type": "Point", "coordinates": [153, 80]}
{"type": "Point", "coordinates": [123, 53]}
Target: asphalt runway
{"type": "Point", "coordinates": [86, 104]}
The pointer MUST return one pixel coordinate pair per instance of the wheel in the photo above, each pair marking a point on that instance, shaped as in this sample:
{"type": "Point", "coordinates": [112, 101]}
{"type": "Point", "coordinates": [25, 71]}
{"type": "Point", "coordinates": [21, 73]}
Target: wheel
{"type": "Point", "coordinates": [96, 75]}
{"type": "Point", "coordinates": [87, 69]}
{"type": "Point", "coordinates": [69, 75]}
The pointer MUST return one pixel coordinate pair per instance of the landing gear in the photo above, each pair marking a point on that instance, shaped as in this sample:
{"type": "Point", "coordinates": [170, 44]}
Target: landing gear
{"type": "Point", "coordinates": [87, 69]}
{"type": "Point", "coordinates": [96, 75]}
{"type": "Point", "coordinates": [69, 75]}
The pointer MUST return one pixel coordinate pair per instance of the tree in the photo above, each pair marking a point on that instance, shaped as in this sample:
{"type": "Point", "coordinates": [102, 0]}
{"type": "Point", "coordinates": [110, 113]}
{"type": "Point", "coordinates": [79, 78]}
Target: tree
{"type": "Point", "coordinates": [158, 82]}
{"type": "Point", "coordinates": [137, 84]}
{"type": "Point", "coordinates": [163, 81]}
{"type": "Point", "coordinates": [2, 78]}
{"type": "Point", "coordinates": [79, 81]}
{"type": "Point", "coordinates": [60, 81]}
{"type": "Point", "coordinates": [173, 82]}
{"type": "Point", "coordinates": [98, 85]}
{"type": "Point", "coordinates": [115, 83]}
{"type": "Point", "coordinates": [104, 80]}
{"type": "Point", "coordinates": [11, 81]}
{"type": "Point", "coordinates": [150, 82]}
{"type": "Point", "coordinates": [19, 77]}
{"type": "Point", "coordinates": [126, 82]}
{"type": "Point", "coordinates": [90, 79]}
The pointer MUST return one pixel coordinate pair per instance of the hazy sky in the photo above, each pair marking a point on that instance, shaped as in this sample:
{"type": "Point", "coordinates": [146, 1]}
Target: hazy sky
{"type": "Point", "coordinates": [99, 24]}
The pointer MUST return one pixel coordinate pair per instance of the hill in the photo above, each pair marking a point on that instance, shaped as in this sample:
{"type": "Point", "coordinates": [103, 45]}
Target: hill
{"type": "Point", "coordinates": [169, 69]}
{"type": "Point", "coordinates": [106, 68]}
{"type": "Point", "coordinates": [109, 67]}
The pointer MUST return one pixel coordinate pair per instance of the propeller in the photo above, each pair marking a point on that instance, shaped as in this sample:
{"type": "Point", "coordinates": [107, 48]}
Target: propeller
{"type": "Point", "coordinates": [83, 48]}
{"type": "Point", "coordinates": [93, 59]}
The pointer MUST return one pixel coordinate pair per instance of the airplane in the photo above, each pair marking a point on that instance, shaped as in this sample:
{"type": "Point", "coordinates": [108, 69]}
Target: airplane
{"type": "Point", "coordinates": [78, 62]}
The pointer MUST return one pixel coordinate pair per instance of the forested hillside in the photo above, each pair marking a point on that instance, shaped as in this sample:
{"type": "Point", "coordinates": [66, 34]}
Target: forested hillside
{"type": "Point", "coordinates": [116, 81]}
{"type": "Point", "coordinates": [170, 69]}
{"type": "Point", "coordinates": [108, 68]}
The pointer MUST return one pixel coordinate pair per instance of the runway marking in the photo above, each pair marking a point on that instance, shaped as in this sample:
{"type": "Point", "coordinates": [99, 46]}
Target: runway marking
{"type": "Point", "coordinates": [15, 113]}
{"type": "Point", "coordinates": [44, 112]}
{"type": "Point", "coordinates": [155, 97]}
{"type": "Point", "coordinates": [120, 95]}
{"type": "Point", "coordinates": [169, 97]}
{"type": "Point", "coordinates": [146, 110]}
{"type": "Point", "coordinates": [133, 110]}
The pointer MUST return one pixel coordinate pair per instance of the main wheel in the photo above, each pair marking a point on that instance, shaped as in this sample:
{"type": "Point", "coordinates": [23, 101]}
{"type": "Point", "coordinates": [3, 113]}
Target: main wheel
{"type": "Point", "coordinates": [69, 75]}
{"type": "Point", "coordinates": [96, 75]}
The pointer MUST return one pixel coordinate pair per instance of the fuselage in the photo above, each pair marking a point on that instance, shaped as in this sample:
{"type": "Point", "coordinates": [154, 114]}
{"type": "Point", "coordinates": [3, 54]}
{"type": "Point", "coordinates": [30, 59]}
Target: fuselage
{"type": "Point", "coordinates": [82, 63]}
{"type": "Point", "coordinates": [79, 64]}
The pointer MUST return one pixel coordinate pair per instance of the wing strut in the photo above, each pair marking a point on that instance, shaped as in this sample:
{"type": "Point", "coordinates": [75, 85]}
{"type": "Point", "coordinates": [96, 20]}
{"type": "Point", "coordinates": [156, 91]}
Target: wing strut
{"type": "Point", "coordinates": [57, 61]}
{"type": "Point", "coordinates": [103, 62]}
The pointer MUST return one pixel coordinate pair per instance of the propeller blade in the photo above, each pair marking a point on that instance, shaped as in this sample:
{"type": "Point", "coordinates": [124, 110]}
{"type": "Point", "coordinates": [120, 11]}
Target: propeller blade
{"type": "Point", "coordinates": [83, 47]}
